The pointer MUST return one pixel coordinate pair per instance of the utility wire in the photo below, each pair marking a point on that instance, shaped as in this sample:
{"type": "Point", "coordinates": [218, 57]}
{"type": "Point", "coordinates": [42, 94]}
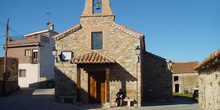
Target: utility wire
{"type": "Point", "coordinates": [19, 36]}
{"type": "Point", "coordinates": [11, 29]}
{"type": "Point", "coordinates": [3, 23]}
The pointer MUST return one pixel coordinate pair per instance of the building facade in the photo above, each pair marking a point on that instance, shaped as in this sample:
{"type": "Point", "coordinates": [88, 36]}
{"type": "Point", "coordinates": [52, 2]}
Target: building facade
{"type": "Point", "coordinates": [185, 78]}
{"type": "Point", "coordinates": [209, 82]}
{"type": "Point", "coordinates": [35, 58]}
{"type": "Point", "coordinates": [97, 57]}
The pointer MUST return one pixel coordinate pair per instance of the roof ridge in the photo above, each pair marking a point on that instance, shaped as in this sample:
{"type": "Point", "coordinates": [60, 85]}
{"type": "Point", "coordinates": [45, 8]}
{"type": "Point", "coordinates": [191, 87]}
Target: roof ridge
{"type": "Point", "coordinates": [128, 30]}
{"type": "Point", "coordinates": [93, 56]}
{"type": "Point", "coordinates": [188, 62]}
{"type": "Point", "coordinates": [67, 32]}
{"type": "Point", "coordinates": [206, 63]}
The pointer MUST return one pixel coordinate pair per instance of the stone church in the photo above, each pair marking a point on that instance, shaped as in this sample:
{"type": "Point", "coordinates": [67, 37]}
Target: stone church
{"type": "Point", "coordinates": [98, 57]}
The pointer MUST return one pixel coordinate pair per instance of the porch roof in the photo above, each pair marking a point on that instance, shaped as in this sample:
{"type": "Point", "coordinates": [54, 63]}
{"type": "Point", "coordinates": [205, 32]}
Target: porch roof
{"type": "Point", "coordinates": [92, 57]}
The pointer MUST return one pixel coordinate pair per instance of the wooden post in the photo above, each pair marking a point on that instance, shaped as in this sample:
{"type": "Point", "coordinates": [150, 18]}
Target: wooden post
{"type": "Point", "coordinates": [78, 83]}
{"type": "Point", "coordinates": [5, 59]}
{"type": "Point", "coordinates": [107, 85]}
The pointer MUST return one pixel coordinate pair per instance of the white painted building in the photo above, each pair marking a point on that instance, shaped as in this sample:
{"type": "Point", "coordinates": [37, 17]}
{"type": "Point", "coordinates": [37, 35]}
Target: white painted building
{"type": "Point", "coordinates": [36, 62]}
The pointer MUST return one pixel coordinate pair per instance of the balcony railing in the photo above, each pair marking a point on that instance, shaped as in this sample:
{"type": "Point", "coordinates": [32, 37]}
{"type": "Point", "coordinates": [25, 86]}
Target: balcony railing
{"type": "Point", "coordinates": [33, 60]}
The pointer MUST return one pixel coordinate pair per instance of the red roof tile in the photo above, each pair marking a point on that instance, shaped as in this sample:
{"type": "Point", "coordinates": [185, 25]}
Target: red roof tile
{"type": "Point", "coordinates": [93, 57]}
{"type": "Point", "coordinates": [213, 59]}
{"type": "Point", "coordinates": [184, 67]}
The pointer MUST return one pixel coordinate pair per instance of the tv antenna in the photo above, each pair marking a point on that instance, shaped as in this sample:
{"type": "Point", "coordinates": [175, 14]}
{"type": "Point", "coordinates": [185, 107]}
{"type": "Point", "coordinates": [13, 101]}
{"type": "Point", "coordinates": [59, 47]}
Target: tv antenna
{"type": "Point", "coordinates": [49, 16]}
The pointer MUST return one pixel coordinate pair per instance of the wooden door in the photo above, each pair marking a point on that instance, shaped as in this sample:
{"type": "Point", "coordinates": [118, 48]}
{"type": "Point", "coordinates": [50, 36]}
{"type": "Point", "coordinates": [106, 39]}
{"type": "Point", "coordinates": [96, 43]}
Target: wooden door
{"type": "Point", "coordinates": [97, 87]}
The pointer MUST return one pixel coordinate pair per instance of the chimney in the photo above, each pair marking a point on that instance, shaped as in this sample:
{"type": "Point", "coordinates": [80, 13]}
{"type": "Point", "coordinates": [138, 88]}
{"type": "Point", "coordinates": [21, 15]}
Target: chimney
{"type": "Point", "coordinates": [51, 27]}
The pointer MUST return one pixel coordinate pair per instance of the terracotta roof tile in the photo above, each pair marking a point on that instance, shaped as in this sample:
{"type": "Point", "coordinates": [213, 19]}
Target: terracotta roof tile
{"type": "Point", "coordinates": [92, 57]}
{"type": "Point", "coordinates": [213, 59]}
{"type": "Point", "coordinates": [184, 67]}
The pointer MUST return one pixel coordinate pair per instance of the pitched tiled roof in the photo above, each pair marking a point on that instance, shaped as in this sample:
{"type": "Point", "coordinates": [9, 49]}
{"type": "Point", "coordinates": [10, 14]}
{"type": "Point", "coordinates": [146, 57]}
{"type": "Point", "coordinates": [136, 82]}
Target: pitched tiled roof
{"type": "Point", "coordinates": [92, 57]}
{"type": "Point", "coordinates": [213, 59]}
{"type": "Point", "coordinates": [184, 67]}
{"type": "Point", "coordinates": [67, 32]}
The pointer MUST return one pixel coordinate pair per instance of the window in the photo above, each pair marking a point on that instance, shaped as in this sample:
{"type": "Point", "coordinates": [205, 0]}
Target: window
{"type": "Point", "coordinates": [22, 73]}
{"type": "Point", "coordinates": [97, 41]}
{"type": "Point", "coordinates": [35, 36]}
{"type": "Point", "coordinates": [27, 52]}
{"type": "Point", "coordinates": [176, 78]}
{"type": "Point", "coordinates": [35, 56]}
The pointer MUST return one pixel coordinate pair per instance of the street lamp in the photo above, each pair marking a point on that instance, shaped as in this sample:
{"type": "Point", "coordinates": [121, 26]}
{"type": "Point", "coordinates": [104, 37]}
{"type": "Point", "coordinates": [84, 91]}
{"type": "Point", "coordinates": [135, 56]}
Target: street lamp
{"type": "Point", "coordinates": [138, 52]}
{"type": "Point", "coordinates": [170, 63]}
{"type": "Point", "coordinates": [54, 53]}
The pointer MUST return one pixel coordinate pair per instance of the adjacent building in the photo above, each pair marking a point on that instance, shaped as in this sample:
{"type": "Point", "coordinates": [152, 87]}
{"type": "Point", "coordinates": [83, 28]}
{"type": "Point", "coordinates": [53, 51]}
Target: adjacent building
{"type": "Point", "coordinates": [185, 78]}
{"type": "Point", "coordinates": [98, 57]}
{"type": "Point", "coordinates": [209, 82]}
{"type": "Point", "coordinates": [36, 63]}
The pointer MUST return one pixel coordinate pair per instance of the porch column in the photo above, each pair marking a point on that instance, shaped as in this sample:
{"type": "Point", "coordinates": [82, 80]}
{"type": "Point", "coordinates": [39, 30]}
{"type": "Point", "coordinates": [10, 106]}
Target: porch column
{"type": "Point", "coordinates": [107, 85]}
{"type": "Point", "coordinates": [78, 84]}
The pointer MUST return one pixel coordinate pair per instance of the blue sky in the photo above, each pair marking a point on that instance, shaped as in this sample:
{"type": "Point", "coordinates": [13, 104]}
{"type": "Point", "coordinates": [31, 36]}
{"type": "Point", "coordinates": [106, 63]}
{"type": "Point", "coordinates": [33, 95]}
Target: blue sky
{"type": "Point", "coordinates": [180, 30]}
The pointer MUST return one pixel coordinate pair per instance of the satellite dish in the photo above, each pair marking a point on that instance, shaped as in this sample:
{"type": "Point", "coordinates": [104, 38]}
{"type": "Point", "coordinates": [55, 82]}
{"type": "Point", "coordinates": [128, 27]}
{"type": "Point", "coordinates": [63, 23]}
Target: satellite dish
{"type": "Point", "coordinates": [48, 23]}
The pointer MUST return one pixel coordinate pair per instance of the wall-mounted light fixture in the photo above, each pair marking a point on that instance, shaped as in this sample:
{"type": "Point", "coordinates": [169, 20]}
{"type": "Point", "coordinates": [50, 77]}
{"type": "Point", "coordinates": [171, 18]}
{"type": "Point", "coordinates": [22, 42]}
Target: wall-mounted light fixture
{"type": "Point", "coordinates": [138, 52]}
{"type": "Point", "coordinates": [170, 63]}
{"type": "Point", "coordinates": [54, 53]}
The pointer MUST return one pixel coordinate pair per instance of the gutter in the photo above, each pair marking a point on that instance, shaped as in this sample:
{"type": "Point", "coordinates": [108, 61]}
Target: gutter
{"type": "Point", "coordinates": [21, 45]}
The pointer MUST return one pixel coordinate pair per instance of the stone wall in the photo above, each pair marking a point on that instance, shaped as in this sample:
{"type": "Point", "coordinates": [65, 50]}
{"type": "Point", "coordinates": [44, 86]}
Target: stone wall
{"type": "Point", "coordinates": [157, 79]}
{"type": "Point", "coordinates": [11, 83]}
{"type": "Point", "coordinates": [117, 44]}
{"type": "Point", "coordinates": [12, 68]}
{"type": "Point", "coordinates": [209, 88]}
{"type": "Point", "coordinates": [186, 81]}
{"type": "Point", "coordinates": [11, 86]}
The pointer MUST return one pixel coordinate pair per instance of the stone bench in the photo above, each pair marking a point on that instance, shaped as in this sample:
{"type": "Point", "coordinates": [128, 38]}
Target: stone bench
{"type": "Point", "coordinates": [68, 97]}
{"type": "Point", "coordinates": [128, 101]}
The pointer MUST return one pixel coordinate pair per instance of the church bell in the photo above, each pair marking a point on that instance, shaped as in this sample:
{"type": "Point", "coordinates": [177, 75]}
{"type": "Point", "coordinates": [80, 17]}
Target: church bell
{"type": "Point", "coordinates": [97, 6]}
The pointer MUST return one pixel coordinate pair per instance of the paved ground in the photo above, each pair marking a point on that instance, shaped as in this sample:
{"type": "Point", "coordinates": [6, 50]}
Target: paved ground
{"type": "Point", "coordinates": [43, 99]}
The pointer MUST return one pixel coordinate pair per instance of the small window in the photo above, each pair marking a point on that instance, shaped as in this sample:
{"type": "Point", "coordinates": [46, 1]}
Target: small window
{"type": "Point", "coordinates": [97, 41]}
{"type": "Point", "coordinates": [27, 52]}
{"type": "Point", "coordinates": [176, 78]}
{"type": "Point", "coordinates": [35, 36]}
{"type": "Point", "coordinates": [22, 73]}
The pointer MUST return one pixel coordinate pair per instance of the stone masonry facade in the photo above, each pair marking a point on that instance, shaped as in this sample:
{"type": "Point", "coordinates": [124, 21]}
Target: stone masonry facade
{"type": "Point", "coordinates": [157, 79]}
{"type": "Point", "coordinates": [209, 82]}
{"type": "Point", "coordinates": [119, 43]}
{"type": "Point", "coordinates": [209, 88]}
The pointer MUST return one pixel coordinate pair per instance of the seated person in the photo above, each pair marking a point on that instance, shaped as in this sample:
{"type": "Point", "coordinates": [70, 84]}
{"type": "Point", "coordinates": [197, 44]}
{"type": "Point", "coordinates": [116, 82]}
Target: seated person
{"type": "Point", "coordinates": [120, 96]}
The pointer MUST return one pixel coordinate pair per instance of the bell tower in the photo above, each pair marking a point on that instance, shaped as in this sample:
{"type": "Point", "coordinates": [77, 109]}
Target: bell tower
{"type": "Point", "coordinates": [92, 5]}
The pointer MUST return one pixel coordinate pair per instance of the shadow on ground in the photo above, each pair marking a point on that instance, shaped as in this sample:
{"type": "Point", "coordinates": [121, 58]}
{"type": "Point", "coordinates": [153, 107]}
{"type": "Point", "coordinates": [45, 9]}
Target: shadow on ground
{"type": "Point", "coordinates": [176, 101]}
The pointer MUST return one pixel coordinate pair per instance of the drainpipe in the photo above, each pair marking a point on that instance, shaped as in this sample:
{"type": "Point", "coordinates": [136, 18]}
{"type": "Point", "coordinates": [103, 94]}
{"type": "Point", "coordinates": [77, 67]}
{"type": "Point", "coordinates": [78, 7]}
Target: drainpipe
{"type": "Point", "coordinates": [137, 81]}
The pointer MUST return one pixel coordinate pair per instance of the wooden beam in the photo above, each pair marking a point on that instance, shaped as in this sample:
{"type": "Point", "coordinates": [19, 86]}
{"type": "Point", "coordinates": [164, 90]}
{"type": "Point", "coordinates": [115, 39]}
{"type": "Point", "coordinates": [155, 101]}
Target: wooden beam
{"type": "Point", "coordinates": [107, 85]}
{"type": "Point", "coordinates": [78, 84]}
